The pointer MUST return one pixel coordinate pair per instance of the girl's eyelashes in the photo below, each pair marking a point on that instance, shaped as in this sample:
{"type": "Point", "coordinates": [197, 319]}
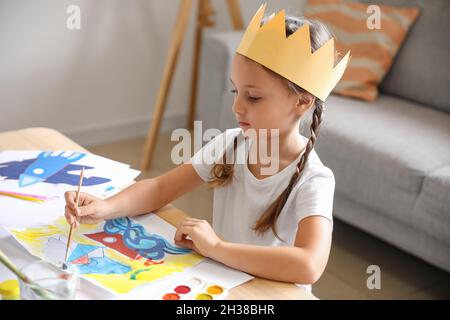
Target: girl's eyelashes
{"type": "Point", "coordinates": [252, 99]}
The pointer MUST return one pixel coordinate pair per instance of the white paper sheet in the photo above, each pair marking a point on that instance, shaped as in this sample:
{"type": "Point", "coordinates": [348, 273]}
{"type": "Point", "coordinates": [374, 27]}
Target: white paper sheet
{"type": "Point", "coordinates": [96, 167]}
{"type": "Point", "coordinates": [207, 270]}
{"type": "Point", "coordinates": [21, 213]}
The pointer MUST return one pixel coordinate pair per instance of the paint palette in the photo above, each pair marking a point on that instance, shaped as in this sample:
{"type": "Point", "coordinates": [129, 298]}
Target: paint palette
{"type": "Point", "coordinates": [194, 288]}
{"type": "Point", "coordinates": [211, 292]}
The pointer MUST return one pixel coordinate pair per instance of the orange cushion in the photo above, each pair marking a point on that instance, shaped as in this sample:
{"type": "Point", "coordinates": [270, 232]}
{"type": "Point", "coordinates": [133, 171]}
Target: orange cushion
{"type": "Point", "coordinates": [372, 50]}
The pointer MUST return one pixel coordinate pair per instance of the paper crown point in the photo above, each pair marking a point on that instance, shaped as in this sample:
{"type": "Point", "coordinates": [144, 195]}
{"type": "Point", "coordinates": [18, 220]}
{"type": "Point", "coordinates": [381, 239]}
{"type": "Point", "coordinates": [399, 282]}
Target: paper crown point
{"type": "Point", "coordinates": [292, 57]}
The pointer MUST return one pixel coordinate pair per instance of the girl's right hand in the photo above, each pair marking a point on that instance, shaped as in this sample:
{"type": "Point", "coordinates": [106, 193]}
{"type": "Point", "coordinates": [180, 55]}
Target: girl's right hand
{"type": "Point", "coordinates": [90, 210]}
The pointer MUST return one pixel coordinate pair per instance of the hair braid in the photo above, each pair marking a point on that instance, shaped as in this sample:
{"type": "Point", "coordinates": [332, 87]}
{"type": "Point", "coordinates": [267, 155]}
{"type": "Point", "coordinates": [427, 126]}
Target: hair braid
{"type": "Point", "coordinates": [268, 219]}
{"type": "Point", "coordinates": [223, 172]}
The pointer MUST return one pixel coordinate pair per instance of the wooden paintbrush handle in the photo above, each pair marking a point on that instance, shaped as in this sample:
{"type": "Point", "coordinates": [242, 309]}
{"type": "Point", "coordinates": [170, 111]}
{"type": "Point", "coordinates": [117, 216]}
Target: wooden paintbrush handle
{"type": "Point", "coordinates": [77, 199]}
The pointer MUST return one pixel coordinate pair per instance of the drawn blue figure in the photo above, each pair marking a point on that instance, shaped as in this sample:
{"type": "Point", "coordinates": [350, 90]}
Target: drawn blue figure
{"type": "Point", "coordinates": [103, 266]}
{"type": "Point", "coordinates": [23, 171]}
{"type": "Point", "coordinates": [45, 166]}
{"type": "Point", "coordinates": [91, 259]}
{"type": "Point", "coordinates": [150, 246]}
{"type": "Point", "coordinates": [84, 251]}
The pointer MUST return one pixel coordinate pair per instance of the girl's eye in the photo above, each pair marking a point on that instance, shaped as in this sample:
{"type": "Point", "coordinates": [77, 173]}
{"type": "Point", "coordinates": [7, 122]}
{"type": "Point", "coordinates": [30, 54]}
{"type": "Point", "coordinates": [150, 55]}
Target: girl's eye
{"type": "Point", "coordinates": [252, 99]}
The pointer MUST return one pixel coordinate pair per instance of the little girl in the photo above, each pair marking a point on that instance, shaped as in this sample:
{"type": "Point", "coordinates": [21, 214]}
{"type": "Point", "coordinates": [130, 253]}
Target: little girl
{"type": "Point", "coordinates": [277, 227]}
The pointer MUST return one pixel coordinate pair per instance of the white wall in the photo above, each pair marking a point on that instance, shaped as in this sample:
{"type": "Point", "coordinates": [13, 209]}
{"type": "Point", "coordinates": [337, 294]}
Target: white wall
{"type": "Point", "coordinates": [97, 84]}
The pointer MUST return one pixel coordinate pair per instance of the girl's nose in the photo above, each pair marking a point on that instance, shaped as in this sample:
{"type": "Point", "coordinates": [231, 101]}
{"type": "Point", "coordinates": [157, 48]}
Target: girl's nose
{"type": "Point", "coordinates": [238, 106]}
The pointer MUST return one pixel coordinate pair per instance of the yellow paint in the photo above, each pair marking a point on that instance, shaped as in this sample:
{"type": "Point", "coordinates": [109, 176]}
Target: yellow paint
{"type": "Point", "coordinates": [32, 237]}
{"type": "Point", "coordinates": [121, 283]}
{"type": "Point", "coordinates": [215, 290]}
{"type": "Point", "coordinates": [34, 240]}
{"type": "Point", "coordinates": [27, 198]}
{"type": "Point", "coordinates": [203, 296]}
{"type": "Point", "coordinates": [9, 290]}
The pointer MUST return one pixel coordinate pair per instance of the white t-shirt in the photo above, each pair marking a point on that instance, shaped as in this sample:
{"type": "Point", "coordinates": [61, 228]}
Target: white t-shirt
{"type": "Point", "coordinates": [238, 205]}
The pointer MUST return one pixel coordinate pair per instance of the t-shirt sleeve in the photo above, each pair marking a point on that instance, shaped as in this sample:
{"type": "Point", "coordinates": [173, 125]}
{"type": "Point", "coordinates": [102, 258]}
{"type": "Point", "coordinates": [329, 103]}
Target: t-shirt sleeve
{"type": "Point", "coordinates": [204, 159]}
{"type": "Point", "coordinates": [315, 196]}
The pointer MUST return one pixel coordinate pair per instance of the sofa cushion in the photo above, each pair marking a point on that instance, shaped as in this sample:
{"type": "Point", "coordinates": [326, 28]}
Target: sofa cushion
{"type": "Point", "coordinates": [432, 209]}
{"type": "Point", "coordinates": [372, 50]}
{"type": "Point", "coordinates": [411, 239]}
{"type": "Point", "coordinates": [420, 69]}
{"type": "Point", "coordinates": [381, 152]}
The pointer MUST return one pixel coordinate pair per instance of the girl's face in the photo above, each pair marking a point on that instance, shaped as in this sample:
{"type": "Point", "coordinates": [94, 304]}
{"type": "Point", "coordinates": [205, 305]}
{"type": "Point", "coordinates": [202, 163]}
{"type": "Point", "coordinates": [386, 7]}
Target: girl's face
{"type": "Point", "coordinates": [263, 100]}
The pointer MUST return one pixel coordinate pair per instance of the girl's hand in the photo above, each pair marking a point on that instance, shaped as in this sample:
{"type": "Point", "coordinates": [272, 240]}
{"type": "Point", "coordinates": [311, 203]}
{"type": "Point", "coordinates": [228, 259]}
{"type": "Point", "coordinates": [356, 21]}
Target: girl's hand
{"type": "Point", "coordinates": [204, 239]}
{"type": "Point", "coordinates": [90, 210]}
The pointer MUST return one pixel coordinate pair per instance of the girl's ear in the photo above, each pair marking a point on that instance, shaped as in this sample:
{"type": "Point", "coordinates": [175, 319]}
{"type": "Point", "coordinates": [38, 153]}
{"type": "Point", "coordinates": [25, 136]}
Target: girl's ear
{"type": "Point", "coordinates": [304, 103]}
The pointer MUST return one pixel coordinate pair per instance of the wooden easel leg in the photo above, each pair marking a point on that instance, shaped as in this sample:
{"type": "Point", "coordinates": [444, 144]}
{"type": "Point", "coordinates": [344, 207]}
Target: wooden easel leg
{"type": "Point", "coordinates": [235, 14]}
{"type": "Point", "coordinates": [205, 11]}
{"type": "Point", "coordinates": [174, 49]}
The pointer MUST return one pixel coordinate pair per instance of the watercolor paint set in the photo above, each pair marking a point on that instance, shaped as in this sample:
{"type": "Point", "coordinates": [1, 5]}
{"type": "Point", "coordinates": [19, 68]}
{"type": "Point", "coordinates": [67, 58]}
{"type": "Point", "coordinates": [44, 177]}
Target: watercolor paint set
{"type": "Point", "coordinates": [194, 288]}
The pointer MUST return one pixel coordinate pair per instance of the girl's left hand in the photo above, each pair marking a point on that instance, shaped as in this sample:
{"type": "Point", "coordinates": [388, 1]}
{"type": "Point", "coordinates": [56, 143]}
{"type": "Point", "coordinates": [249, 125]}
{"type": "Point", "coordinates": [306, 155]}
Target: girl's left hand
{"type": "Point", "coordinates": [204, 239]}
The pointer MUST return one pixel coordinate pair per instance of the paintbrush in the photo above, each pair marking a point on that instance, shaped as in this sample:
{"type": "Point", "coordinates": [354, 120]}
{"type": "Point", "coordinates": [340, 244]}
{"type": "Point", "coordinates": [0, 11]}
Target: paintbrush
{"type": "Point", "coordinates": [36, 288]}
{"type": "Point", "coordinates": [77, 198]}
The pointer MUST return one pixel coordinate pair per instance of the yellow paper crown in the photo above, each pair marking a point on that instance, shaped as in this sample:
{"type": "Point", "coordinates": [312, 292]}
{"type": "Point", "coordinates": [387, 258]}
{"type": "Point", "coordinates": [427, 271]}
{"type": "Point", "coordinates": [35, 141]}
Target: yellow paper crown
{"type": "Point", "coordinates": [292, 57]}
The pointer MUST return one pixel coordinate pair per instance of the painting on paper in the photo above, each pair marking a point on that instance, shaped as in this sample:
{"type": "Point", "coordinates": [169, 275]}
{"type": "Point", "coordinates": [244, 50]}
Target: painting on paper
{"type": "Point", "coordinates": [33, 182]}
{"type": "Point", "coordinates": [50, 167]}
{"type": "Point", "coordinates": [38, 171]}
{"type": "Point", "coordinates": [118, 255]}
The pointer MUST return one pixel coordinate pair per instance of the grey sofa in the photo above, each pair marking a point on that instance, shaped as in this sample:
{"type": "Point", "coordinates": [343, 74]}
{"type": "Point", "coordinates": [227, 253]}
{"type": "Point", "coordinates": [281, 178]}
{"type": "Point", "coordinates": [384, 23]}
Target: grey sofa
{"type": "Point", "coordinates": [391, 158]}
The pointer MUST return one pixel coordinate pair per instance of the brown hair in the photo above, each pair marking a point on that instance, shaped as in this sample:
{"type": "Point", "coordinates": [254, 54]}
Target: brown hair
{"type": "Point", "coordinates": [223, 172]}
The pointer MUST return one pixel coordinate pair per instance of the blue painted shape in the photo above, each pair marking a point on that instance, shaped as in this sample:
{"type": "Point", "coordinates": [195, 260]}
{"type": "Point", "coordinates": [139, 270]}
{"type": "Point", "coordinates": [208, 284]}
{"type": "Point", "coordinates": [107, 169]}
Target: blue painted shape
{"type": "Point", "coordinates": [26, 180]}
{"type": "Point", "coordinates": [150, 246]}
{"type": "Point", "coordinates": [103, 265]}
{"type": "Point", "coordinates": [46, 165]}
{"type": "Point", "coordinates": [82, 250]}
{"type": "Point", "coordinates": [14, 169]}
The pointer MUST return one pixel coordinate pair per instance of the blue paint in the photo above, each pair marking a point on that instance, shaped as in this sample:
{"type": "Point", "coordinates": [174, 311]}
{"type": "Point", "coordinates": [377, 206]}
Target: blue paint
{"type": "Point", "coordinates": [103, 265]}
{"type": "Point", "coordinates": [23, 171]}
{"type": "Point", "coordinates": [96, 265]}
{"type": "Point", "coordinates": [45, 166]}
{"type": "Point", "coordinates": [149, 246]}
{"type": "Point", "coordinates": [82, 250]}
{"type": "Point", "coordinates": [110, 188]}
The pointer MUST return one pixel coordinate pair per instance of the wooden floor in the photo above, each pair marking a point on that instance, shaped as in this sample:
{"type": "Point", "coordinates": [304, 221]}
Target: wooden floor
{"type": "Point", "coordinates": [402, 275]}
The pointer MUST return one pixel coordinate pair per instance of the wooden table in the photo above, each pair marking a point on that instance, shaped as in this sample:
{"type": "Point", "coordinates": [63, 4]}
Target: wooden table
{"type": "Point", "coordinates": [49, 139]}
